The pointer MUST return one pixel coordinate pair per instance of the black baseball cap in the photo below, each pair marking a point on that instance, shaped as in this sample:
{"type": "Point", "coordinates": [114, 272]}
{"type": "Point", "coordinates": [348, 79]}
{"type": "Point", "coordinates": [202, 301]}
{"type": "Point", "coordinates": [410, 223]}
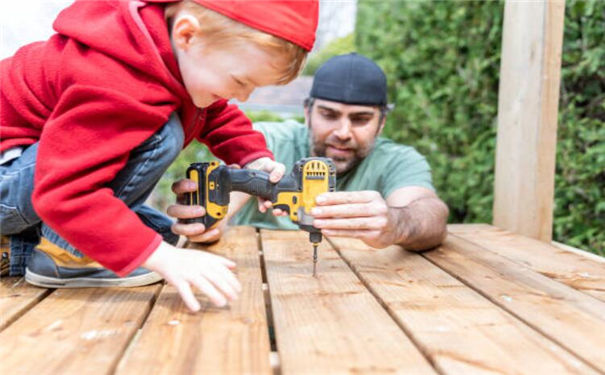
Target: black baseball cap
{"type": "Point", "coordinates": [350, 79]}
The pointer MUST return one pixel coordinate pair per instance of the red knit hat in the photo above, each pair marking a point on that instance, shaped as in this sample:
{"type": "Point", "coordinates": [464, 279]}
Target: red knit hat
{"type": "Point", "coordinates": [292, 20]}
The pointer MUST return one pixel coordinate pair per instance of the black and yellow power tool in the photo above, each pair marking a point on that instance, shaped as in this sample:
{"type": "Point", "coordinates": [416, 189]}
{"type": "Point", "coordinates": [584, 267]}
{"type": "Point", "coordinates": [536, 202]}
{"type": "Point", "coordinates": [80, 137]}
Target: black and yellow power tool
{"type": "Point", "coordinates": [295, 193]}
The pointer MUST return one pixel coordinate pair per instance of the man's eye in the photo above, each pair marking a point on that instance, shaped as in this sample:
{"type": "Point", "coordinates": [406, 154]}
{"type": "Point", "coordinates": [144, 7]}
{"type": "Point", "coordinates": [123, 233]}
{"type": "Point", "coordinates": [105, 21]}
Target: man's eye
{"type": "Point", "coordinates": [360, 120]}
{"type": "Point", "coordinates": [329, 116]}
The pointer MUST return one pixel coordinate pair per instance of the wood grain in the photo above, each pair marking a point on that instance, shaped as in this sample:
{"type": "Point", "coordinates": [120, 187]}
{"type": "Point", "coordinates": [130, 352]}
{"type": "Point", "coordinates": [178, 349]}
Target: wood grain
{"type": "Point", "coordinates": [458, 329]}
{"type": "Point", "coordinates": [230, 340]}
{"type": "Point", "coordinates": [573, 319]}
{"type": "Point", "coordinates": [16, 298]}
{"type": "Point", "coordinates": [75, 331]}
{"type": "Point", "coordinates": [574, 269]}
{"type": "Point", "coordinates": [332, 323]}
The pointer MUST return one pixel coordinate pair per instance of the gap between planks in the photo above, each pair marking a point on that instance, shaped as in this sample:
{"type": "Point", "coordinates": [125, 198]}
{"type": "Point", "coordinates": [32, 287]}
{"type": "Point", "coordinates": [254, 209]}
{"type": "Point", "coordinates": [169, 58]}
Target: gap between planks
{"type": "Point", "coordinates": [17, 298]}
{"type": "Point", "coordinates": [435, 306]}
{"type": "Point", "coordinates": [515, 288]}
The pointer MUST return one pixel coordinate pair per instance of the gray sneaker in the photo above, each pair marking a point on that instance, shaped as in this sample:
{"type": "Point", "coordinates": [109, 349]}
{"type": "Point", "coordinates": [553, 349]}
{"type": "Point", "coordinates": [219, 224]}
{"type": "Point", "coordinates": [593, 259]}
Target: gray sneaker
{"type": "Point", "coordinates": [53, 267]}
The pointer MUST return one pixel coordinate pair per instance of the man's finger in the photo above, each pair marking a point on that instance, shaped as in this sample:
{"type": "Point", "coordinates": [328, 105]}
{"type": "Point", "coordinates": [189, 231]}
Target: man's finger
{"type": "Point", "coordinates": [360, 234]}
{"type": "Point", "coordinates": [184, 186]}
{"type": "Point", "coordinates": [344, 197]}
{"type": "Point", "coordinates": [181, 211]}
{"type": "Point", "coordinates": [349, 210]}
{"type": "Point", "coordinates": [212, 235]}
{"type": "Point", "coordinates": [372, 223]}
{"type": "Point", "coordinates": [188, 230]}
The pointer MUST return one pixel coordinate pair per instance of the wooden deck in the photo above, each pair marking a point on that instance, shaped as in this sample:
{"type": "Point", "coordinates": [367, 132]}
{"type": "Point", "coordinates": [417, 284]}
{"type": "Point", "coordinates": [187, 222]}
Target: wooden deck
{"type": "Point", "coordinates": [486, 301]}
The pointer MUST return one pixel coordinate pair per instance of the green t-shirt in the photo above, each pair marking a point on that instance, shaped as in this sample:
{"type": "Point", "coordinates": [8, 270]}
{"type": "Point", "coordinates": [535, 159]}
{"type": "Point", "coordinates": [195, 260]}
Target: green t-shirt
{"type": "Point", "coordinates": [388, 167]}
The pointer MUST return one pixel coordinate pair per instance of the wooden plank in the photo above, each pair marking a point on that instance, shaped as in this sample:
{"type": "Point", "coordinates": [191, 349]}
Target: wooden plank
{"type": "Point", "coordinates": [230, 340]}
{"type": "Point", "coordinates": [527, 117]}
{"type": "Point", "coordinates": [75, 331]}
{"type": "Point", "coordinates": [574, 269]}
{"type": "Point", "coordinates": [16, 298]}
{"type": "Point", "coordinates": [574, 320]}
{"type": "Point", "coordinates": [437, 310]}
{"type": "Point", "coordinates": [581, 252]}
{"type": "Point", "coordinates": [332, 323]}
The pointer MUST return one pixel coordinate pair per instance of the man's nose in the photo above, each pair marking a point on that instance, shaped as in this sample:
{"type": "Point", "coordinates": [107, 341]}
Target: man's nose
{"type": "Point", "coordinates": [343, 131]}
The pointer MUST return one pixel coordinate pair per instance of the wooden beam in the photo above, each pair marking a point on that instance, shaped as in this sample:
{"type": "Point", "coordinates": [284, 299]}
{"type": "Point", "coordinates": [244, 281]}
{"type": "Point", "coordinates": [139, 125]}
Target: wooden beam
{"type": "Point", "coordinates": [527, 116]}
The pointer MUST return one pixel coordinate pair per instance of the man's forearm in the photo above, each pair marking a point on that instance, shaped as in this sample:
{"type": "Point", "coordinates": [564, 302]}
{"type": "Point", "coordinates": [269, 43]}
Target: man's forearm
{"type": "Point", "coordinates": [420, 225]}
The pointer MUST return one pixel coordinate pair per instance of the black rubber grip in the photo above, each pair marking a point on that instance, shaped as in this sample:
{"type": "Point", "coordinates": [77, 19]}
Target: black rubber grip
{"type": "Point", "coordinates": [252, 182]}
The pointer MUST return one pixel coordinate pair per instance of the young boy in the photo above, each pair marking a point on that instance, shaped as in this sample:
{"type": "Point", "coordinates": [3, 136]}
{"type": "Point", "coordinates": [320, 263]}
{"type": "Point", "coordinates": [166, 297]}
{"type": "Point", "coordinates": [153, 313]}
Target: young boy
{"type": "Point", "coordinates": [92, 118]}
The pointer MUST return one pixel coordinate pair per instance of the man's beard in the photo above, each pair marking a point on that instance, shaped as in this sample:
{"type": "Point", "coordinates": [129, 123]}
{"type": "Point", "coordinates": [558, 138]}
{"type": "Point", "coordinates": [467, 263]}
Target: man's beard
{"type": "Point", "coordinates": [342, 164]}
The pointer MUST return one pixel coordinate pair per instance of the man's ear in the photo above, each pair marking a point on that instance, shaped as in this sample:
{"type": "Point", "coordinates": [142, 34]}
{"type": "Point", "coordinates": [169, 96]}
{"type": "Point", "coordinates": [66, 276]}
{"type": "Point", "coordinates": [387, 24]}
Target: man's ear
{"type": "Point", "coordinates": [184, 31]}
{"type": "Point", "coordinates": [381, 125]}
{"type": "Point", "coordinates": [307, 113]}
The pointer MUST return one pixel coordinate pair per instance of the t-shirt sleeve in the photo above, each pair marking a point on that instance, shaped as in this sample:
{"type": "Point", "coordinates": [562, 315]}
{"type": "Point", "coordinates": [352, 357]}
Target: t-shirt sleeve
{"type": "Point", "coordinates": [406, 167]}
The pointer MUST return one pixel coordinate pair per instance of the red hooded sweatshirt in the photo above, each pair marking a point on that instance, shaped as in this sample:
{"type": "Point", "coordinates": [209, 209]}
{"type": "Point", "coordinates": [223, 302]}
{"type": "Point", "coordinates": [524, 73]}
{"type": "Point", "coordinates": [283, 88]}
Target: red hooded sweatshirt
{"type": "Point", "coordinates": [93, 92]}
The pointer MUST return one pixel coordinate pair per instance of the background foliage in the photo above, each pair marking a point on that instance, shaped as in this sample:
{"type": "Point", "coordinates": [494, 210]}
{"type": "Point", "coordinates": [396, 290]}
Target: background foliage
{"type": "Point", "coordinates": [442, 62]}
{"type": "Point", "coordinates": [337, 46]}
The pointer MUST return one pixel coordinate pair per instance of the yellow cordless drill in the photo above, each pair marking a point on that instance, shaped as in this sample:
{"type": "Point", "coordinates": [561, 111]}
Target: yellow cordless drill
{"type": "Point", "coordinates": [295, 193]}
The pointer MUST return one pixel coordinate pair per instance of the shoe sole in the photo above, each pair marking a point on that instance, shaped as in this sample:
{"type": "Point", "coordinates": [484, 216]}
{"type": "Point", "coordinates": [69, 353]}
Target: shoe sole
{"type": "Point", "coordinates": [89, 282]}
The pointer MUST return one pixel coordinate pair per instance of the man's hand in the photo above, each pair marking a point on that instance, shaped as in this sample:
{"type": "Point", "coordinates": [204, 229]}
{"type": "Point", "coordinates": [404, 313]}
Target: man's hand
{"type": "Point", "coordinates": [195, 232]}
{"type": "Point", "coordinates": [413, 217]}
{"type": "Point", "coordinates": [359, 214]}
{"type": "Point", "coordinates": [276, 172]}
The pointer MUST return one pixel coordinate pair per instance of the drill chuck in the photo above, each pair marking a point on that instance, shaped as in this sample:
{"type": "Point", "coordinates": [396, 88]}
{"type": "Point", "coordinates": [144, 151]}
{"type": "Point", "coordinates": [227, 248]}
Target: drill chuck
{"type": "Point", "coordinates": [315, 237]}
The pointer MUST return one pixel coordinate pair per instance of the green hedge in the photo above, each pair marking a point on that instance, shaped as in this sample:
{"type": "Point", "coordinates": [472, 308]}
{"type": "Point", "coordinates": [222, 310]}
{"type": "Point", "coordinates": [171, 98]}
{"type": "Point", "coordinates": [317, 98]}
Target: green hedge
{"type": "Point", "coordinates": [442, 60]}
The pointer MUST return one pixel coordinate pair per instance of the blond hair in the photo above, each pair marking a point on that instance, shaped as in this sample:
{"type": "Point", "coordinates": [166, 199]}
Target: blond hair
{"type": "Point", "coordinates": [219, 29]}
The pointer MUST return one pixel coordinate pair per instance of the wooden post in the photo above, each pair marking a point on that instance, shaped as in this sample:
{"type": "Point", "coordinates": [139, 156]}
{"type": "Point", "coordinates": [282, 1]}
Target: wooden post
{"type": "Point", "coordinates": [528, 99]}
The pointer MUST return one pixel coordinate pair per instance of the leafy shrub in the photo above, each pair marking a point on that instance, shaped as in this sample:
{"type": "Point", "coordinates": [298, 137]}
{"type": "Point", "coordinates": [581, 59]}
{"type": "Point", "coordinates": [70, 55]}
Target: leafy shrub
{"type": "Point", "coordinates": [337, 46]}
{"type": "Point", "coordinates": [442, 60]}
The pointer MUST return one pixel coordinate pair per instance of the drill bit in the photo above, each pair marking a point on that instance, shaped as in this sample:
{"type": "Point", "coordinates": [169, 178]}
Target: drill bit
{"type": "Point", "coordinates": [315, 259]}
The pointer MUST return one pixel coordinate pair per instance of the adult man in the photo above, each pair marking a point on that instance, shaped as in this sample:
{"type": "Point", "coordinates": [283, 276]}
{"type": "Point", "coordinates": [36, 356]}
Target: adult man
{"type": "Point", "coordinates": [384, 192]}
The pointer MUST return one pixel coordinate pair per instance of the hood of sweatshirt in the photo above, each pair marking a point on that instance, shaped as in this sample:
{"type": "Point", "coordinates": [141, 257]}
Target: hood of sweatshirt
{"type": "Point", "coordinates": [129, 31]}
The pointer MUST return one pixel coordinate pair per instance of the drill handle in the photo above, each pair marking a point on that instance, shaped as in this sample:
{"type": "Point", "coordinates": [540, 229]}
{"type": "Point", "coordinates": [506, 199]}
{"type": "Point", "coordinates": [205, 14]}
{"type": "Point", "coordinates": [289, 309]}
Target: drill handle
{"type": "Point", "coordinates": [252, 182]}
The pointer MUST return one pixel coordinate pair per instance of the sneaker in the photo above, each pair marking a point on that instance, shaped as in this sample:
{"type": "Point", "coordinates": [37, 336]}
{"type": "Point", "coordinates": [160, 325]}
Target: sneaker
{"type": "Point", "coordinates": [5, 255]}
{"type": "Point", "coordinates": [54, 267]}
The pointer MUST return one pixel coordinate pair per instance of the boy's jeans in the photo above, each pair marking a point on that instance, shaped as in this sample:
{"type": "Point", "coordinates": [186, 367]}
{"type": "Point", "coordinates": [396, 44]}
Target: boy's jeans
{"type": "Point", "coordinates": [133, 184]}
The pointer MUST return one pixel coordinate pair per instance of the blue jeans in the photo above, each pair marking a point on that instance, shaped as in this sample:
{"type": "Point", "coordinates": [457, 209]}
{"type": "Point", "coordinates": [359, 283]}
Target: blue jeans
{"type": "Point", "coordinates": [133, 185]}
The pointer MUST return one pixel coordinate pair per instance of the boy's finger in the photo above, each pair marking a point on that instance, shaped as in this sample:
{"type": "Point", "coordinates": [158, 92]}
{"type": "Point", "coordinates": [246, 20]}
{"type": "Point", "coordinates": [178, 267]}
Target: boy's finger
{"type": "Point", "coordinates": [232, 280]}
{"type": "Point", "coordinates": [277, 173]}
{"type": "Point", "coordinates": [187, 295]}
{"type": "Point", "coordinates": [206, 287]}
{"type": "Point", "coordinates": [221, 281]}
{"type": "Point", "coordinates": [221, 260]}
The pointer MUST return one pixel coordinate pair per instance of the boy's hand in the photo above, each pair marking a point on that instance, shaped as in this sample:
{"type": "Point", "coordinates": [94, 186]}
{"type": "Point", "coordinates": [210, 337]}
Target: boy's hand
{"type": "Point", "coordinates": [211, 274]}
{"type": "Point", "coordinates": [195, 232]}
{"type": "Point", "coordinates": [276, 172]}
